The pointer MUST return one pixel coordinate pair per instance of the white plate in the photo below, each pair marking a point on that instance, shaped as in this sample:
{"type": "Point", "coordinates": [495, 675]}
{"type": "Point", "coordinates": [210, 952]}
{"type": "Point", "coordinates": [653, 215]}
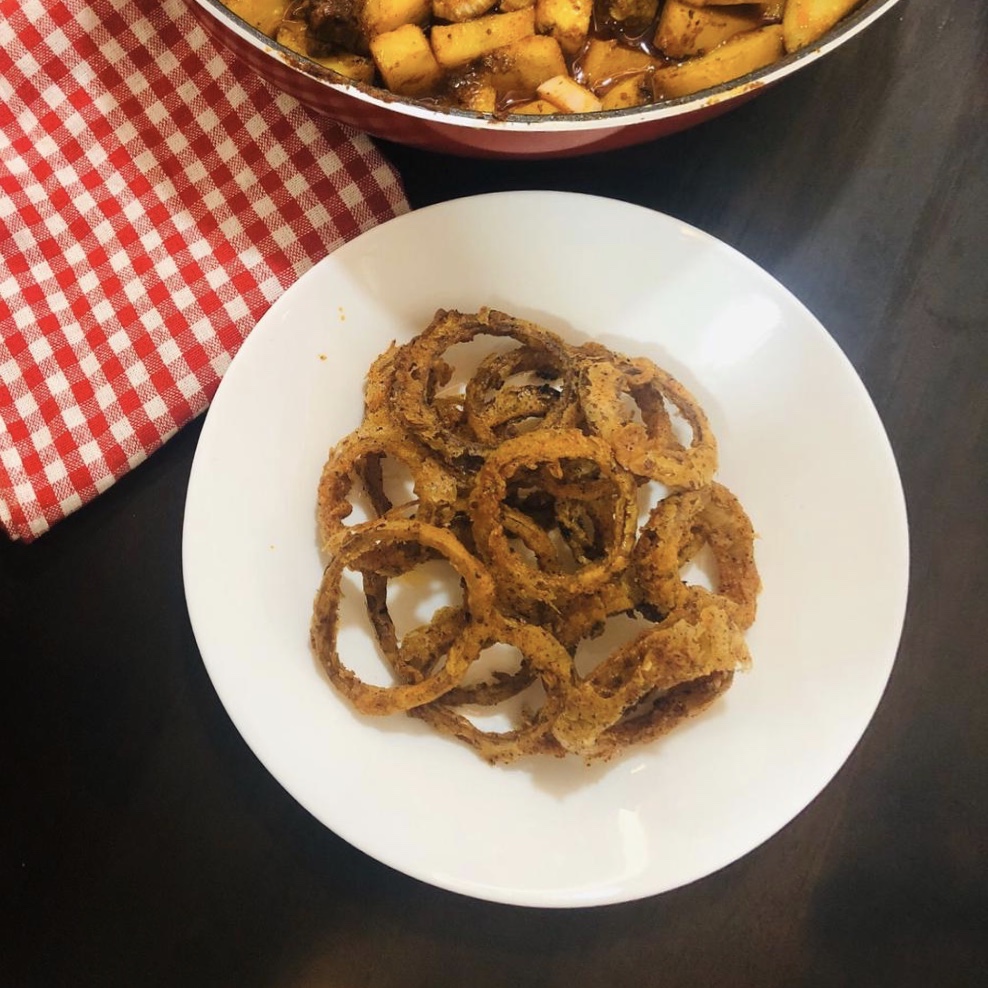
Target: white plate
{"type": "Point", "coordinates": [801, 444]}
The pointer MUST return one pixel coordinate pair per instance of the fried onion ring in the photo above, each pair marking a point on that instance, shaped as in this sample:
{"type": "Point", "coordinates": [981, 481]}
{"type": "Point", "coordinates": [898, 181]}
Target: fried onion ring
{"type": "Point", "coordinates": [662, 712]}
{"type": "Point", "coordinates": [420, 374]}
{"type": "Point", "coordinates": [359, 454]}
{"type": "Point", "coordinates": [422, 648]}
{"type": "Point", "coordinates": [526, 478]}
{"type": "Point", "coordinates": [677, 528]}
{"type": "Point", "coordinates": [551, 449]}
{"type": "Point", "coordinates": [697, 639]}
{"type": "Point", "coordinates": [649, 449]}
{"type": "Point", "coordinates": [495, 411]}
{"type": "Point", "coordinates": [550, 662]}
{"type": "Point", "coordinates": [353, 549]}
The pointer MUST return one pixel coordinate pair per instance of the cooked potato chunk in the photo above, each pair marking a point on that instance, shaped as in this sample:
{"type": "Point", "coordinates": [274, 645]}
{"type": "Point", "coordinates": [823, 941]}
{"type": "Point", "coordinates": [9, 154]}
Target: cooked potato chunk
{"type": "Point", "coordinates": [633, 15]}
{"type": "Point", "coordinates": [685, 30]}
{"type": "Point", "coordinates": [457, 44]}
{"type": "Point", "coordinates": [735, 57]}
{"type": "Point", "coordinates": [406, 62]}
{"type": "Point", "coordinates": [482, 98]}
{"type": "Point", "coordinates": [524, 65]}
{"type": "Point", "coordinates": [360, 68]}
{"type": "Point", "coordinates": [804, 21]}
{"type": "Point", "coordinates": [568, 21]}
{"type": "Point", "coordinates": [537, 108]}
{"type": "Point", "coordinates": [568, 96]}
{"type": "Point", "coordinates": [265, 15]}
{"type": "Point", "coordinates": [356, 67]}
{"type": "Point", "coordinates": [632, 91]}
{"type": "Point", "coordinates": [605, 61]}
{"type": "Point", "coordinates": [461, 10]}
{"type": "Point", "coordinates": [292, 35]}
{"type": "Point", "coordinates": [380, 16]}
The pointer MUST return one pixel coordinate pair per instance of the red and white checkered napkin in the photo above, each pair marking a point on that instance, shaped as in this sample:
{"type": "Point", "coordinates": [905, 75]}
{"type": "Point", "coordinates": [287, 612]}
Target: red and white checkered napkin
{"type": "Point", "coordinates": [155, 199]}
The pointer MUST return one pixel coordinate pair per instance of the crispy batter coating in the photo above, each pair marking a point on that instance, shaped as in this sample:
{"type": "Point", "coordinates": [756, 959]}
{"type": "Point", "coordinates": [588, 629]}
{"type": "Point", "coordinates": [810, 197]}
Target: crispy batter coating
{"type": "Point", "coordinates": [420, 373]}
{"type": "Point", "coordinates": [552, 451]}
{"type": "Point", "coordinates": [649, 449]}
{"type": "Point", "coordinates": [527, 474]}
{"type": "Point", "coordinates": [359, 455]}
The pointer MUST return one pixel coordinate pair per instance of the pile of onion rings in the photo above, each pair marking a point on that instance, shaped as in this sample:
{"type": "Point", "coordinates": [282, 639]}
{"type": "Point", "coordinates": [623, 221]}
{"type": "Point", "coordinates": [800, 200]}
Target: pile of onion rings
{"type": "Point", "coordinates": [529, 478]}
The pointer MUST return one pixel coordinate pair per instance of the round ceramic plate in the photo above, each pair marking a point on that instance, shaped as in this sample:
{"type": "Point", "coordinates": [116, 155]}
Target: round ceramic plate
{"type": "Point", "coordinates": [800, 443]}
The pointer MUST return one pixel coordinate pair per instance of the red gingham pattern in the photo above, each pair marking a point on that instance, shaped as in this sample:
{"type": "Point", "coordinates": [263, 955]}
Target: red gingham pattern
{"type": "Point", "coordinates": [155, 199]}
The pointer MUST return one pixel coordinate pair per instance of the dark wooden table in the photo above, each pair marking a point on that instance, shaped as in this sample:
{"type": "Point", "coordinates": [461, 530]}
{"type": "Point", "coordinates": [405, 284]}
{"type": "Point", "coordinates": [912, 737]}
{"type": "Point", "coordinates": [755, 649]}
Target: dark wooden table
{"type": "Point", "coordinates": [143, 843]}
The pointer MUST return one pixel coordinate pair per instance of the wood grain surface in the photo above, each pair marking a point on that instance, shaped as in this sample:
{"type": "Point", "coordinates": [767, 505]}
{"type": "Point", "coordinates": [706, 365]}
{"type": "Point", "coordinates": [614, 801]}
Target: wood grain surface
{"type": "Point", "coordinates": [144, 845]}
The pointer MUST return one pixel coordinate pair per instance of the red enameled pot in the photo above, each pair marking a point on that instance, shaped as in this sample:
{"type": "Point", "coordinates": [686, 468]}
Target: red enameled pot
{"type": "Point", "coordinates": [465, 133]}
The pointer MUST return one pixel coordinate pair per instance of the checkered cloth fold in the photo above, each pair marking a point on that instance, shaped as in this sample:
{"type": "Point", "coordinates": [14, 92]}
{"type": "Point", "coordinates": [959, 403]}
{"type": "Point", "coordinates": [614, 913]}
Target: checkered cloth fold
{"type": "Point", "coordinates": [155, 198]}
